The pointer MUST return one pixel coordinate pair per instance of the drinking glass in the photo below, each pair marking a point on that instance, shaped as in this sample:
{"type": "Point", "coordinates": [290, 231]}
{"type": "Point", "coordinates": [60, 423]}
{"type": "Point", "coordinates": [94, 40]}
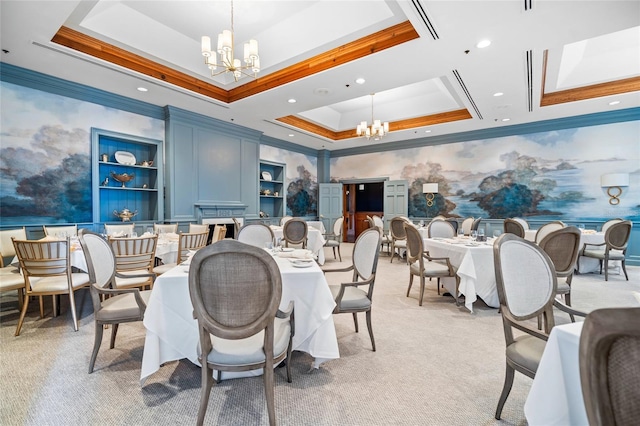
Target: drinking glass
{"type": "Point", "coordinates": [581, 227]}
{"type": "Point", "coordinates": [481, 233]}
{"type": "Point", "coordinates": [134, 234]}
{"type": "Point", "coordinates": [460, 232]}
{"type": "Point", "coordinates": [150, 230]}
{"type": "Point", "coordinates": [474, 235]}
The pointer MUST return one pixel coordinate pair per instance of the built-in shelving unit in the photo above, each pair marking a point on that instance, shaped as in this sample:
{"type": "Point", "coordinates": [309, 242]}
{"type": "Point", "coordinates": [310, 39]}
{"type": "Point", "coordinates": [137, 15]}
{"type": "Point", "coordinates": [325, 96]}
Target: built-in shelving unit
{"type": "Point", "coordinates": [272, 189]}
{"type": "Point", "coordinates": [137, 156]}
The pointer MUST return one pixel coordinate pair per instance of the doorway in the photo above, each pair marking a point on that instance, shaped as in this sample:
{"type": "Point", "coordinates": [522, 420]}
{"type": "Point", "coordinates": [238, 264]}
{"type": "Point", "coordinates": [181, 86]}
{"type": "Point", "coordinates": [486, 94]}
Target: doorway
{"type": "Point", "coordinates": [361, 199]}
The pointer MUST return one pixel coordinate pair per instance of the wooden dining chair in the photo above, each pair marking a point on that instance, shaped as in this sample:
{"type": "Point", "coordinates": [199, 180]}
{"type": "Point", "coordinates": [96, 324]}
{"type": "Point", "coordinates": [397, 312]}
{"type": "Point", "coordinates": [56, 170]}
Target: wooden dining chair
{"type": "Point", "coordinates": [187, 244]}
{"type": "Point", "coordinates": [334, 239]}
{"type": "Point", "coordinates": [513, 226]}
{"type": "Point", "coordinates": [256, 234]}
{"type": "Point", "coordinates": [440, 229]}
{"type": "Point", "coordinates": [548, 228]}
{"type": "Point", "coordinates": [219, 233]}
{"type": "Point", "coordinates": [295, 232]}
{"type": "Point", "coordinates": [197, 228]}
{"type": "Point", "coordinates": [466, 225]}
{"type": "Point", "coordinates": [398, 236]}
{"type": "Point", "coordinates": [60, 231]}
{"type": "Point", "coordinates": [165, 228]}
{"type": "Point", "coordinates": [135, 259]}
{"type": "Point", "coordinates": [122, 230]}
{"type": "Point", "coordinates": [385, 237]}
{"type": "Point", "coordinates": [47, 272]}
{"type": "Point", "coordinates": [10, 277]}
{"type": "Point", "coordinates": [616, 239]}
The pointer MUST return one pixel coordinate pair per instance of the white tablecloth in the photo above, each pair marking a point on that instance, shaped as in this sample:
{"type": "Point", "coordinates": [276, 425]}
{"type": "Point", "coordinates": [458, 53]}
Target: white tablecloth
{"type": "Point", "coordinates": [587, 264]}
{"type": "Point", "coordinates": [318, 225]}
{"type": "Point", "coordinates": [172, 333]}
{"type": "Point", "coordinates": [167, 248]}
{"type": "Point", "coordinates": [315, 240]}
{"type": "Point", "coordinates": [555, 397]}
{"type": "Point", "coordinates": [475, 268]}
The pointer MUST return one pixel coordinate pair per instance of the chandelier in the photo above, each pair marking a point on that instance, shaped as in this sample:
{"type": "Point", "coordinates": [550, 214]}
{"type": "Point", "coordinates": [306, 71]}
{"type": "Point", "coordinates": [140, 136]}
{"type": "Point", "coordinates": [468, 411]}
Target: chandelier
{"type": "Point", "coordinates": [377, 129]}
{"type": "Point", "coordinates": [227, 60]}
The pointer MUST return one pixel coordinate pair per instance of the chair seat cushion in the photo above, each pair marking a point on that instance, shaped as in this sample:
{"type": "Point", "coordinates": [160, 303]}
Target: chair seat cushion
{"type": "Point", "coordinates": [10, 279]}
{"type": "Point", "coordinates": [58, 283]}
{"type": "Point", "coordinates": [332, 243]}
{"type": "Point", "coordinates": [353, 298]}
{"type": "Point", "coordinates": [563, 287]}
{"type": "Point", "coordinates": [133, 282]}
{"type": "Point", "coordinates": [430, 269]}
{"type": "Point", "coordinates": [161, 269]}
{"type": "Point", "coordinates": [121, 307]}
{"type": "Point", "coordinates": [249, 350]}
{"type": "Point", "coordinates": [599, 254]}
{"type": "Point", "coordinates": [400, 243]}
{"type": "Point", "coordinates": [526, 352]}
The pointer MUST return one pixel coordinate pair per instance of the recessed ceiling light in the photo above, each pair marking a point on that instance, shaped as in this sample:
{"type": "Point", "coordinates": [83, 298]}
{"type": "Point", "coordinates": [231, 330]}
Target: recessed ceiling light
{"type": "Point", "coordinates": [291, 135]}
{"type": "Point", "coordinates": [322, 91]}
{"type": "Point", "coordinates": [506, 119]}
{"type": "Point", "coordinates": [498, 94]}
{"type": "Point", "coordinates": [614, 103]}
{"type": "Point", "coordinates": [292, 101]}
{"type": "Point", "coordinates": [360, 80]}
{"type": "Point", "coordinates": [427, 131]}
{"type": "Point", "coordinates": [142, 89]}
{"type": "Point", "coordinates": [483, 43]}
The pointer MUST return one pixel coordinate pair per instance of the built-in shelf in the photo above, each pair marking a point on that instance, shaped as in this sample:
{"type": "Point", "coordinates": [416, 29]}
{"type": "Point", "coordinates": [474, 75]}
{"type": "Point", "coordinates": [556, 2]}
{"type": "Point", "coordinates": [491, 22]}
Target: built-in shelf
{"type": "Point", "coordinates": [270, 204]}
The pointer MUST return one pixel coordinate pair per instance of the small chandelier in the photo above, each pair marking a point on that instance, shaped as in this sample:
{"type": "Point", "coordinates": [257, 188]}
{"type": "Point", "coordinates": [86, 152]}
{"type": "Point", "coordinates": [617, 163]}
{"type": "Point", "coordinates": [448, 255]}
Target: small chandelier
{"type": "Point", "coordinates": [227, 60]}
{"type": "Point", "coordinates": [377, 129]}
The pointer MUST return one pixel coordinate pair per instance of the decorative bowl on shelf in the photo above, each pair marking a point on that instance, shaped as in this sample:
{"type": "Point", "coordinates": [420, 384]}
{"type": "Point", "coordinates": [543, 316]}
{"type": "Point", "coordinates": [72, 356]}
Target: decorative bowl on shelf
{"type": "Point", "coordinates": [123, 178]}
{"type": "Point", "coordinates": [125, 214]}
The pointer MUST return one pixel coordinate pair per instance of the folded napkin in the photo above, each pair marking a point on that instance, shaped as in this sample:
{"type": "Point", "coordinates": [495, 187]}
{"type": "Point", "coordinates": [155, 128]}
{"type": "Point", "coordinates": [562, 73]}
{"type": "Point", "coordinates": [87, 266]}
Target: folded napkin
{"type": "Point", "coordinates": [589, 231]}
{"type": "Point", "coordinates": [171, 236]}
{"type": "Point", "coordinates": [297, 254]}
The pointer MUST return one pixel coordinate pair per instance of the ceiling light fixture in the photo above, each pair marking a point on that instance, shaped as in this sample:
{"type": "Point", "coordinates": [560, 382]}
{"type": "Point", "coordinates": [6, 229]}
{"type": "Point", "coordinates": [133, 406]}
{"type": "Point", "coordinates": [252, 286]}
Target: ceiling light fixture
{"type": "Point", "coordinates": [228, 62]}
{"type": "Point", "coordinates": [360, 80]}
{"type": "Point", "coordinates": [142, 89]}
{"type": "Point", "coordinates": [498, 94]}
{"type": "Point", "coordinates": [482, 44]}
{"type": "Point", "coordinates": [292, 101]}
{"type": "Point", "coordinates": [377, 129]}
{"type": "Point", "coordinates": [612, 103]}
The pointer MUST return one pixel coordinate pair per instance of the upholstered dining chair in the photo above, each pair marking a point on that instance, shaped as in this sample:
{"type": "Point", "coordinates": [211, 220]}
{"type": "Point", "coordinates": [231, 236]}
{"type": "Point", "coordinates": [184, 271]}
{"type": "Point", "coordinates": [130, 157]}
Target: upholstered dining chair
{"type": "Point", "coordinates": [398, 236]}
{"type": "Point", "coordinates": [454, 222]}
{"type": "Point", "coordinates": [187, 244]}
{"type": "Point", "coordinates": [235, 290]}
{"type": "Point", "coordinates": [424, 266]}
{"type": "Point", "coordinates": [526, 284]}
{"type": "Point", "coordinates": [523, 222]}
{"type": "Point", "coordinates": [110, 305]}
{"type": "Point", "coordinates": [285, 219]}
{"type": "Point", "coordinates": [385, 238]}
{"type": "Point", "coordinates": [256, 234]}
{"type": "Point", "coordinates": [165, 228]}
{"type": "Point", "coordinates": [197, 228]}
{"type": "Point", "coordinates": [466, 225]}
{"type": "Point", "coordinates": [60, 231]}
{"type": "Point", "coordinates": [350, 297]}
{"type": "Point", "coordinates": [334, 239]}
{"type": "Point", "coordinates": [295, 232]}
{"type": "Point", "coordinates": [440, 229]}
{"type": "Point", "coordinates": [513, 226]}
{"type": "Point", "coordinates": [10, 277]}
{"type": "Point", "coordinates": [610, 222]}
{"type": "Point", "coordinates": [120, 229]}
{"type": "Point", "coordinates": [548, 228]}
{"type": "Point", "coordinates": [135, 258]}
{"type": "Point", "coordinates": [370, 222]}
{"type": "Point", "coordinates": [614, 247]}
{"type": "Point", "coordinates": [476, 224]}
{"type": "Point", "coordinates": [562, 246]}
{"type": "Point", "coordinates": [236, 227]}
{"type": "Point", "coordinates": [219, 232]}
{"type": "Point", "coordinates": [610, 366]}
{"type": "Point", "coordinates": [47, 272]}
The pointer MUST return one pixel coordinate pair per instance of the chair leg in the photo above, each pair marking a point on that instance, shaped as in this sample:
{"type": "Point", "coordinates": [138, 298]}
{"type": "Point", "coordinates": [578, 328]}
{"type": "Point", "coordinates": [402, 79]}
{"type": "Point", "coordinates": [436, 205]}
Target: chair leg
{"type": "Point", "coordinates": [269, 390]}
{"type": "Point", "coordinates": [334, 253]}
{"type": "Point", "coordinates": [289, 359]}
{"type": "Point", "coordinates": [72, 303]}
{"type": "Point", "coordinates": [23, 312]}
{"type": "Point", "coordinates": [624, 269]}
{"type": "Point", "coordinates": [373, 342]}
{"type": "Point", "coordinates": [355, 320]}
{"type": "Point", "coordinates": [421, 290]}
{"type": "Point", "coordinates": [410, 283]}
{"type": "Point", "coordinates": [606, 269]}
{"type": "Point", "coordinates": [457, 290]}
{"type": "Point", "coordinates": [567, 301]}
{"type": "Point", "coordinates": [96, 345]}
{"type": "Point", "coordinates": [508, 383]}
{"type": "Point", "coordinates": [205, 391]}
{"type": "Point", "coordinates": [339, 254]}
{"type": "Point", "coordinates": [114, 331]}
{"type": "Point", "coordinates": [438, 284]}
{"type": "Point", "coordinates": [42, 308]}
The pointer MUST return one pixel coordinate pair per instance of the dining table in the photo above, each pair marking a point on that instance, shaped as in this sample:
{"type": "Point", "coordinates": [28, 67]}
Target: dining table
{"type": "Point", "coordinates": [315, 240]}
{"type": "Point", "coordinates": [474, 264]}
{"type": "Point", "coordinates": [555, 397]}
{"type": "Point", "coordinates": [172, 332]}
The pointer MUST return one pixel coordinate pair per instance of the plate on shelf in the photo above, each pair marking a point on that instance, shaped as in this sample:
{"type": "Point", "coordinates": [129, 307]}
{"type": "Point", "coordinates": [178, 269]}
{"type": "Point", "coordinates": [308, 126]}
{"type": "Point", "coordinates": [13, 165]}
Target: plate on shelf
{"type": "Point", "coordinates": [266, 176]}
{"type": "Point", "coordinates": [125, 157]}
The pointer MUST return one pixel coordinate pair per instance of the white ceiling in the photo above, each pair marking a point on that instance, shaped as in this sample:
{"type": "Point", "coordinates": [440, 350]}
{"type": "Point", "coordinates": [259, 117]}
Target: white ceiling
{"type": "Point", "coordinates": [588, 42]}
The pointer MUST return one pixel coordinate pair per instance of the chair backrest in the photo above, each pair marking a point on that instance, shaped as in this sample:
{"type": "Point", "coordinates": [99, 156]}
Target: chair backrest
{"type": "Point", "coordinates": [562, 246]}
{"type": "Point", "coordinates": [454, 222]}
{"type": "Point", "coordinates": [133, 254]}
{"type": "Point", "coordinates": [295, 231]}
{"type": "Point", "coordinates": [415, 246]}
{"type": "Point", "coordinates": [466, 225]}
{"type": "Point", "coordinates": [256, 234]}
{"type": "Point", "coordinates": [521, 221]}
{"type": "Point", "coordinates": [165, 228]}
{"type": "Point", "coordinates": [610, 366]}
{"type": "Point", "coordinates": [43, 258]}
{"type": "Point", "coordinates": [235, 290]}
{"type": "Point", "coordinates": [365, 256]}
{"type": "Point", "coordinates": [513, 226]}
{"type": "Point", "coordinates": [61, 231]}
{"type": "Point", "coordinates": [396, 227]}
{"type": "Point", "coordinates": [377, 220]}
{"type": "Point", "coordinates": [548, 228]}
{"type": "Point", "coordinates": [191, 242]}
{"type": "Point", "coordinates": [337, 226]}
{"type": "Point", "coordinates": [617, 235]}
{"type": "Point", "coordinates": [476, 224]}
{"type": "Point", "coordinates": [125, 229]}
{"type": "Point", "coordinates": [285, 219]}
{"type": "Point", "coordinates": [610, 222]}
{"type": "Point", "coordinates": [440, 229]}
{"type": "Point", "coordinates": [6, 245]}
{"type": "Point", "coordinates": [370, 222]}
{"type": "Point", "coordinates": [196, 228]}
{"type": "Point", "coordinates": [525, 279]}
{"type": "Point", "coordinates": [236, 227]}
{"type": "Point", "coordinates": [101, 262]}
{"type": "Point", "coordinates": [219, 232]}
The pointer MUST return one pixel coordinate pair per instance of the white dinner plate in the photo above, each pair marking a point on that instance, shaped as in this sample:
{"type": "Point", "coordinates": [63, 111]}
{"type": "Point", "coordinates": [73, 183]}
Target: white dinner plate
{"type": "Point", "coordinates": [125, 157]}
{"type": "Point", "coordinates": [300, 263]}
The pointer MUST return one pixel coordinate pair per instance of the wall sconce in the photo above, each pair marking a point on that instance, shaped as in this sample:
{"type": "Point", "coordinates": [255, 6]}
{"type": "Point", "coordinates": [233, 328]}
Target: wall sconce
{"type": "Point", "coordinates": [614, 182]}
{"type": "Point", "coordinates": [429, 189]}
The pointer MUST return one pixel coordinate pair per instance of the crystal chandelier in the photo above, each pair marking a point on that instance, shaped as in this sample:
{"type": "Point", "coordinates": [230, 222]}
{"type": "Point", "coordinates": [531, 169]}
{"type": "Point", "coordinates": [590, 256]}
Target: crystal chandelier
{"type": "Point", "coordinates": [377, 129]}
{"type": "Point", "coordinates": [227, 60]}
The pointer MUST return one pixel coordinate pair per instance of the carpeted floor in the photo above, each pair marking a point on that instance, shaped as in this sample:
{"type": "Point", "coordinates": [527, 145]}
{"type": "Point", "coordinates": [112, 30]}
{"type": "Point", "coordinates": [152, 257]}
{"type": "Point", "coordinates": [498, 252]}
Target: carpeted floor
{"type": "Point", "coordinates": [436, 364]}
